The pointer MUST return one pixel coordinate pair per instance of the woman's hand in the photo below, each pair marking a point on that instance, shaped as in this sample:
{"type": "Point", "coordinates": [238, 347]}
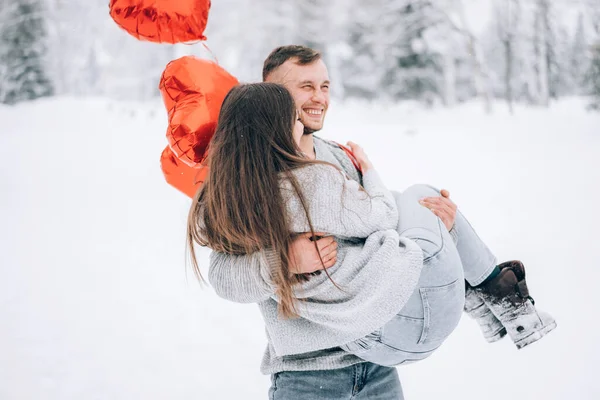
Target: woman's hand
{"type": "Point", "coordinates": [361, 156]}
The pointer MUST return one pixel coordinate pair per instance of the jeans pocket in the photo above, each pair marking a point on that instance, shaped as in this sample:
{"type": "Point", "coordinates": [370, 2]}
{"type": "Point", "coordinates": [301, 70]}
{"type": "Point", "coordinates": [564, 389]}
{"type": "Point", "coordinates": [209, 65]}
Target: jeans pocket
{"type": "Point", "coordinates": [442, 309]}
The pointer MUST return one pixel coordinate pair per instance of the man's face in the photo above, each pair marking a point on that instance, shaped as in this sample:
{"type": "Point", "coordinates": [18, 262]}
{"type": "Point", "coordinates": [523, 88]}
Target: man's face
{"type": "Point", "coordinates": [309, 85]}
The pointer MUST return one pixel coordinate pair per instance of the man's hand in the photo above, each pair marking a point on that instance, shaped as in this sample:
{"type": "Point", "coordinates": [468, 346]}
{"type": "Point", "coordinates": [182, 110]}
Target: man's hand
{"type": "Point", "coordinates": [304, 257]}
{"type": "Point", "coordinates": [443, 207]}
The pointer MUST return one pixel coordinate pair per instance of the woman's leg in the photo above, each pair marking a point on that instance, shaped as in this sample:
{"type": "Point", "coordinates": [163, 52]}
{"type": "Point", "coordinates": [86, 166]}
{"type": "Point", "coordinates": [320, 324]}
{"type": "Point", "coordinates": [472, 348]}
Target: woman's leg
{"type": "Point", "coordinates": [433, 311]}
{"type": "Point", "coordinates": [477, 260]}
{"type": "Point", "coordinates": [500, 304]}
{"type": "Point", "coordinates": [359, 381]}
{"type": "Point", "coordinates": [435, 307]}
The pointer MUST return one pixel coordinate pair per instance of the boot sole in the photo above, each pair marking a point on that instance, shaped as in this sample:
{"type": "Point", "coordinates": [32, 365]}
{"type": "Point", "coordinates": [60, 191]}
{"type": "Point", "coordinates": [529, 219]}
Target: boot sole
{"type": "Point", "coordinates": [535, 336]}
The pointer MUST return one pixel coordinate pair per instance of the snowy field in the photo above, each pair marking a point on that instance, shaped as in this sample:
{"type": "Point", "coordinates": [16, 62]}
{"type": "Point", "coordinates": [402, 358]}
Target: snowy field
{"type": "Point", "coordinates": [96, 302]}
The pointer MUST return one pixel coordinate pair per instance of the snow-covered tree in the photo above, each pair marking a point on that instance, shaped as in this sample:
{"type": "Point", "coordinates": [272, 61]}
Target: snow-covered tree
{"type": "Point", "coordinates": [562, 82]}
{"type": "Point", "coordinates": [314, 28]}
{"type": "Point", "coordinates": [542, 50]}
{"type": "Point", "coordinates": [593, 76]}
{"type": "Point", "coordinates": [503, 49]}
{"type": "Point", "coordinates": [278, 26]}
{"type": "Point", "coordinates": [544, 58]}
{"type": "Point", "coordinates": [412, 49]}
{"type": "Point", "coordinates": [418, 69]}
{"type": "Point", "coordinates": [91, 55]}
{"type": "Point", "coordinates": [389, 56]}
{"type": "Point", "coordinates": [75, 39]}
{"type": "Point", "coordinates": [319, 26]}
{"type": "Point", "coordinates": [579, 62]}
{"type": "Point", "coordinates": [241, 33]}
{"type": "Point", "coordinates": [22, 51]}
{"type": "Point", "coordinates": [550, 42]}
{"type": "Point", "coordinates": [368, 42]}
{"type": "Point", "coordinates": [464, 47]}
{"type": "Point", "coordinates": [388, 50]}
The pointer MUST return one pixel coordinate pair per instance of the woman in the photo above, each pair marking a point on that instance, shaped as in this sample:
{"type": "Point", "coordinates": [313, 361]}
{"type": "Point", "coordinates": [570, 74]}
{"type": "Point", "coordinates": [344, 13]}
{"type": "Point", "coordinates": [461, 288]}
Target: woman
{"type": "Point", "coordinates": [397, 289]}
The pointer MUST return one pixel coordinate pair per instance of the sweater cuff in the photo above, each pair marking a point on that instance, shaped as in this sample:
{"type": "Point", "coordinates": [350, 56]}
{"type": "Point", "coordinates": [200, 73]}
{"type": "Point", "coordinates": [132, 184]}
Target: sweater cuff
{"type": "Point", "coordinates": [372, 181]}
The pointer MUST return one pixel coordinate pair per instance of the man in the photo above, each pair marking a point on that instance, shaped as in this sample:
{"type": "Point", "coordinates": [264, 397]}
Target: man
{"type": "Point", "coordinates": [335, 373]}
{"type": "Point", "coordinates": [302, 71]}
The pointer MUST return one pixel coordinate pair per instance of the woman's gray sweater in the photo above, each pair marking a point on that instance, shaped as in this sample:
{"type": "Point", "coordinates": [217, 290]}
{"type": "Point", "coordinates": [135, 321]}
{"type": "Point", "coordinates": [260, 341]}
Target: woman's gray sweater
{"type": "Point", "coordinates": [376, 270]}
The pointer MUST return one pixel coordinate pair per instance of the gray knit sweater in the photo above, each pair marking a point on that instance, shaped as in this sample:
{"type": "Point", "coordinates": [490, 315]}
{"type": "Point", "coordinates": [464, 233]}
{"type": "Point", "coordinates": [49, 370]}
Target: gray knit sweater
{"type": "Point", "coordinates": [376, 270]}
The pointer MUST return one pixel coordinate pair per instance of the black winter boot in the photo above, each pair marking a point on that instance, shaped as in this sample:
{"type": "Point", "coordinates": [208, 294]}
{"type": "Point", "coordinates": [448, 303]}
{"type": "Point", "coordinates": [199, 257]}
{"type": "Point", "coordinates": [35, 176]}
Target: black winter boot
{"type": "Point", "coordinates": [508, 298]}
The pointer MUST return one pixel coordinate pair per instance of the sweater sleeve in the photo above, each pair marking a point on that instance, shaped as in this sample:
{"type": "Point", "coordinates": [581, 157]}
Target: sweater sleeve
{"type": "Point", "coordinates": [340, 206]}
{"type": "Point", "coordinates": [245, 278]}
{"type": "Point", "coordinates": [337, 205]}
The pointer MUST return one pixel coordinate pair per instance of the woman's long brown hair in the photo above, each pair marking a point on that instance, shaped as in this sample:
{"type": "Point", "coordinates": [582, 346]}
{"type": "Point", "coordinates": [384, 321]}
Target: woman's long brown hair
{"type": "Point", "coordinates": [240, 209]}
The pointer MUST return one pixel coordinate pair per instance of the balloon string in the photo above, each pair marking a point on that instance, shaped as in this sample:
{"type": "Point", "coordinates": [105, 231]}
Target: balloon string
{"type": "Point", "coordinates": [210, 51]}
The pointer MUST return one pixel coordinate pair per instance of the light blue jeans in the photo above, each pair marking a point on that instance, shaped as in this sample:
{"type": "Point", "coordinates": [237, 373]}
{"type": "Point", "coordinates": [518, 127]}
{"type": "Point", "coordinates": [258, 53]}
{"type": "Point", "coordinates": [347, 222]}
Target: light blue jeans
{"type": "Point", "coordinates": [429, 316]}
{"type": "Point", "coordinates": [434, 309]}
{"type": "Point", "coordinates": [365, 381]}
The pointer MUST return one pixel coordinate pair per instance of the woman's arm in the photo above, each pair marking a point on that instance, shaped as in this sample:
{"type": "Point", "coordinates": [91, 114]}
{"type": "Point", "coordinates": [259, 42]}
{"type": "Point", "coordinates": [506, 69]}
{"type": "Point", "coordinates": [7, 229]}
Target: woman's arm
{"type": "Point", "coordinates": [337, 205]}
{"type": "Point", "coordinates": [340, 206]}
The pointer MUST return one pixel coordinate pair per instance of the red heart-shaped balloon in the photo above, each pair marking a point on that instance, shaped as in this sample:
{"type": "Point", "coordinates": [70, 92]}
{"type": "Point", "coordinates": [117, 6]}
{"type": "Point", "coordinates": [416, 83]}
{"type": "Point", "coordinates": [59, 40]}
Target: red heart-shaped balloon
{"type": "Point", "coordinates": [162, 21]}
{"type": "Point", "coordinates": [193, 91]}
{"type": "Point", "coordinates": [181, 176]}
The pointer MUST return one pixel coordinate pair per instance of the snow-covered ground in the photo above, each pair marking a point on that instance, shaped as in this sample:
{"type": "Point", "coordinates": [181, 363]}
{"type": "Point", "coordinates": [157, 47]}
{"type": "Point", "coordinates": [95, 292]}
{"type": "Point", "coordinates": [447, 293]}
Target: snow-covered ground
{"type": "Point", "coordinates": [96, 303]}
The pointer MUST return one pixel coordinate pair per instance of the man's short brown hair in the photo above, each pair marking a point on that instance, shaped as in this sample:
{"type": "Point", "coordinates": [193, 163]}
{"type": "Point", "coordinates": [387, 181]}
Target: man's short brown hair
{"type": "Point", "coordinates": [304, 55]}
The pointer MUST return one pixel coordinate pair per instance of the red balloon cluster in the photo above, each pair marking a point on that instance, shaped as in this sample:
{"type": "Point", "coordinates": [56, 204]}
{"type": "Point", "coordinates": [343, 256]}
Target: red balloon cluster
{"type": "Point", "coordinates": [193, 91]}
{"type": "Point", "coordinates": [162, 21]}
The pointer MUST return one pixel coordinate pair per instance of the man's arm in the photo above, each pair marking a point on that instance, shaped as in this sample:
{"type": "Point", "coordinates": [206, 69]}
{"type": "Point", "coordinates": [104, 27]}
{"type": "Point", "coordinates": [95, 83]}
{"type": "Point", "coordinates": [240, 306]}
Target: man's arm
{"type": "Point", "coordinates": [248, 279]}
{"type": "Point", "coordinates": [242, 279]}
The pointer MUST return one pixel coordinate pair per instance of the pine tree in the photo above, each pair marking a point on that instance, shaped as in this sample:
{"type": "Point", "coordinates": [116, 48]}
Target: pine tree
{"type": "Point", "coordinates": [22, 52]}
{"type": "Point", "coordinates": [276, 23]}
{"type": "Point", "coordinates": [555, 51]}
{"type": "Point", "coordinates": [242, 33]}
{"type": "Point", "coordinates": [314, 25]}
{"type": "Point", "coordinates": [561, 77]}
{"type": "Point", "coordinates": [593, 76]}
{"type": "Point", "coordinates": [579, 56]}
{"type": "Point", "coordinates": [418, 70]}
{"type": "Point", "coordinates": [365, 65]}
{"type": "Point", "coordinates": [319, 26]}
{"type": "Point", "coordinates": [591, 82]}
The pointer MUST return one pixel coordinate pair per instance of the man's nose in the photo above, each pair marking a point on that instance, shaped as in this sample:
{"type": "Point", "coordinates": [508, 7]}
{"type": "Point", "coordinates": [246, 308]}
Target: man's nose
{"type": "Point", "coordinates": [319, 96]}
